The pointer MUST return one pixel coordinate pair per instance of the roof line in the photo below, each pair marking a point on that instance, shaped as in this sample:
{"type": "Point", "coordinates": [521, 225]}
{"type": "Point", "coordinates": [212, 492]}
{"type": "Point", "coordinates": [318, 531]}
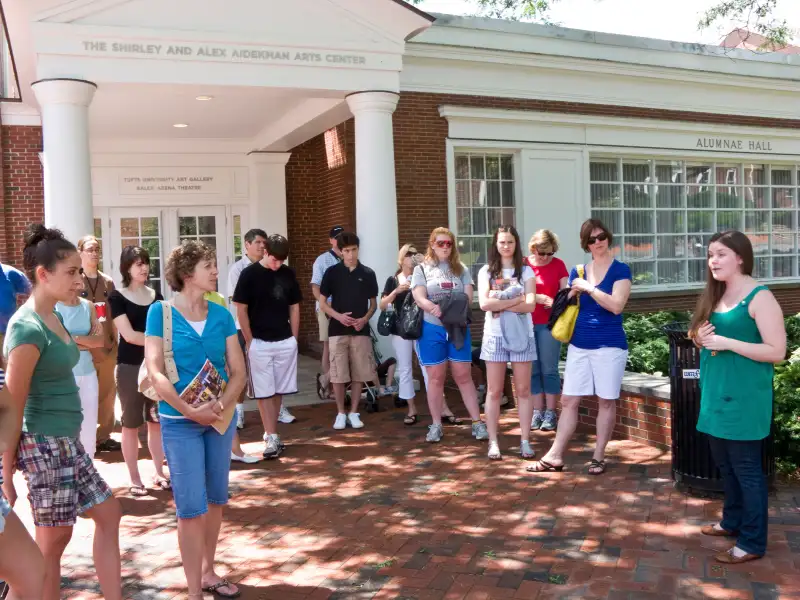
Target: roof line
{"type": "Point", "coordinates": [416, 10]}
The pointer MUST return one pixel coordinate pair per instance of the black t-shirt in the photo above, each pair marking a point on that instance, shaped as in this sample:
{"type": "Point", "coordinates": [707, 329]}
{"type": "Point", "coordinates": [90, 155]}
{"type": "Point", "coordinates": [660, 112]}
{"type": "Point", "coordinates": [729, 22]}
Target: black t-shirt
{"type": "Point", "coordinates": [391, 285]}
{"type": "Point", "coordinates": [350, 291]}
{"type": "Point", "coordinates": [130, 354]}
{"type": "Point", "coordinates": [268, 295]}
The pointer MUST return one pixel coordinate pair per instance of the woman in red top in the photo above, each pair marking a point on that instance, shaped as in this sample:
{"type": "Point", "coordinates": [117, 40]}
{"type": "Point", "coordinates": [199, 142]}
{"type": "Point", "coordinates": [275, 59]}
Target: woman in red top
{"type": "Point", "coordinates": [551, 276]}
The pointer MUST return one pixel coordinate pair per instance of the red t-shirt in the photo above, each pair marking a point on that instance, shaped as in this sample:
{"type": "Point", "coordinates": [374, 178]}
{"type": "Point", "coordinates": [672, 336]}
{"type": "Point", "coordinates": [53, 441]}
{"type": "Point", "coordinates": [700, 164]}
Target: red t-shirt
{"type": "Point", "coordinates": [548, 278]}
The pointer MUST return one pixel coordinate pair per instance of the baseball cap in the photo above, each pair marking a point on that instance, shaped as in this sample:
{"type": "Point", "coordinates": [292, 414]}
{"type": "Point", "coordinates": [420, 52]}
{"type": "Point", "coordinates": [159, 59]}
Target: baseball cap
{"type": "Point", "coordinates": [336, 231]}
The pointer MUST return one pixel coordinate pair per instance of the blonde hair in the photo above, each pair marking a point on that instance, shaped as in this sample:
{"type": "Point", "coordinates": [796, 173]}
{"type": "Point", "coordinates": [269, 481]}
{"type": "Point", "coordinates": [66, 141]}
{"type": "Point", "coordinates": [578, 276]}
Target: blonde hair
{"type": "Point", "coordinates": [543, 238]}
{"type": "Point", "coordinates": [401, 256]}
{"type": "Point", "coordinates": [455, 261]}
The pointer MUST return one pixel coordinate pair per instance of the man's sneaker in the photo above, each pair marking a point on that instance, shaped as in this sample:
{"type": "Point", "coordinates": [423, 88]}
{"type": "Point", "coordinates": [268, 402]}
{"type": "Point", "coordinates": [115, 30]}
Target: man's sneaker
{"type": "Point", "coordinates": [550, 420]}
{"type": "Point", "coordinates": [434, 433]}
{"type": "Point", "coordinates": [479, 431]}
{"type": "Point", "coordinates": [340, 422]}
{"type": "Point", "coordinates": [240, 416]}
{"type": "Point", "coordinates": [536, 422]}
{"type": "Point", "coordinates": [285, 416]}
{"type": "Point", "coordinates": [355, 420]}
{"type": "Point", "coordinates": [110, 445]}
{"type": "Point", "coordinates": [274, 447]}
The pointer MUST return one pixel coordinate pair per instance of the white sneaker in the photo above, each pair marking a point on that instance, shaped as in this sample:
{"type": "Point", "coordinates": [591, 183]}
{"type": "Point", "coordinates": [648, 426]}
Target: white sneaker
{"type": "Point", "coordinates": [434, 434]}
{"type": "Point", "coordinates": [355, 420]}
{"type": "Point", "coordinates": [247, 459]}
{"type": "Point", "coordinates": [239, 416]}
{"type": "Point", "coordinates": [284, 416]}
{"type": "Point", "coordinates": [273, 447]}
{"type": "Point", "coordinates": [341, 421]}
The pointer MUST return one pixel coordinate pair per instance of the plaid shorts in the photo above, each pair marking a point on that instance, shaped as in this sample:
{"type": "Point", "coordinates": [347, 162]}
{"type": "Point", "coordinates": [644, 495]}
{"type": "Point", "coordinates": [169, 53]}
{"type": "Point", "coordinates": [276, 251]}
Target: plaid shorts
{"type": "Point", "coordinates": [62, 480]}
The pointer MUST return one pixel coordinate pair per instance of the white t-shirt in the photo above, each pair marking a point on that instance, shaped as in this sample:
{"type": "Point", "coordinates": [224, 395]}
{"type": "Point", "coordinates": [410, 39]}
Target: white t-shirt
{"type": "Point", "coordinates": [511, 286]}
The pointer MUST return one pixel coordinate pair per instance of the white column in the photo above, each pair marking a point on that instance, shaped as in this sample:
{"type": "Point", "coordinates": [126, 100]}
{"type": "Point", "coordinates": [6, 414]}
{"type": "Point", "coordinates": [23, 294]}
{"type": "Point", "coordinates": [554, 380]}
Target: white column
{"type": "Point", "coordinates": [67, 166]}
{"type": "Point", "coordinates": [376, 195]}
{"type": "Point", "coordinates": [268, 192]}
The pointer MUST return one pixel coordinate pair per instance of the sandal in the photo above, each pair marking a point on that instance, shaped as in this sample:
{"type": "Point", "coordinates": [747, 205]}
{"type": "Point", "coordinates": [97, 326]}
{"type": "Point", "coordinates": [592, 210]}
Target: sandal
{"type": "Point", "coordinates": [542, 466]}
{"type": "Point", "coordinates": [451, 420]}
{"type": "Point", "coordinates": [162, 483]}
{"type": "Point", "coordinates": [321, 390]}
{"type": "Point", "coordinates": [138, 491]}
{"type": "Point", "coordinates": [410, 420]}
{"type": "Point", "coordinates": [214, 589]}
{"type": "Point", "coordinates": [599, 467]}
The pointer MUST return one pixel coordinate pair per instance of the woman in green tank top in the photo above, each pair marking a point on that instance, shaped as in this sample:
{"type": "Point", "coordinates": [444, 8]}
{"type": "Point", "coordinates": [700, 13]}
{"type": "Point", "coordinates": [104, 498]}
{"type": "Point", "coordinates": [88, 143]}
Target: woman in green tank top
{"type": "Point", "coordinates": [739, 327]}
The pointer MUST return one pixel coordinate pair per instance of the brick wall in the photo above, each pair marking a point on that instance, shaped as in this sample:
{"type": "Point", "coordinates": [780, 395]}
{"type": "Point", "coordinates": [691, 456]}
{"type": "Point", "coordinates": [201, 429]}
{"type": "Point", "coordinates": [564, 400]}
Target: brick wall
{"type": "Point", "coordinates": [320, 193]}
{"type": "Point", "coordinates": [23, 188]}
{"type": "Point", "coordinates": [642, 419]}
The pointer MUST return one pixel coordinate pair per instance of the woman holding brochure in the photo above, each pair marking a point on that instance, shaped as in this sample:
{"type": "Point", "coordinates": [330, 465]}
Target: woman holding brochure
{"type": "Point", "coordinates": [196, 413]}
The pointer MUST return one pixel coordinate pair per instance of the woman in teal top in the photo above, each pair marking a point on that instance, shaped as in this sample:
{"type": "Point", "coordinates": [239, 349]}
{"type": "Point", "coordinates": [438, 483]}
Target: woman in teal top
{"type": "Point", "coordinates": [62, 480]}
{"type": "Point", "coordinates": [739, 327]}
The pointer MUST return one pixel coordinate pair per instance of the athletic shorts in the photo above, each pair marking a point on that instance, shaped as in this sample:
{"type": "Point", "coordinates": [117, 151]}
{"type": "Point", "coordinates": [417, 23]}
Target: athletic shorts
{"type": "Point", "coordinates": [272, 368]}
{"type": "Point", "coordinates": [434, 347]}
{"type": "Point", "coordinates": [137, 409]}
{"type": "Point", "coordinates": [322, 321]}
{"type": "Point", "coordinates": [594, 372]}
{"type": "Point", "coordinates": [492, 350]}
{"type": "Point", "coordinates": [352, 359]}
{"type": "Point", "coordinates": [62, 479]}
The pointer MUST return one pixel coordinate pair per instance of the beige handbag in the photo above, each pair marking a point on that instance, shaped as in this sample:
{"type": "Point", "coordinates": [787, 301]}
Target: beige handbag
{"type": "Point", "coordinates": [170, 368]}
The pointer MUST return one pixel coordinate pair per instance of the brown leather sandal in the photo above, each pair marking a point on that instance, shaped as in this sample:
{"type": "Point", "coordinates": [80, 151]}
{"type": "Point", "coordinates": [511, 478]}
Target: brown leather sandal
{"type": "Point", "coordinates": [712, 531]}
{"type": "Point", "coordinates": [729, 559]}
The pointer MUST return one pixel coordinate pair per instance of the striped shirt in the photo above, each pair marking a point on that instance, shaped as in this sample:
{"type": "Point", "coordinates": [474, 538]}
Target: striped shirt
{"type": "Point", "coordinates": [597, 327]}
{"type": "Point", "coordinates": [324, 262]}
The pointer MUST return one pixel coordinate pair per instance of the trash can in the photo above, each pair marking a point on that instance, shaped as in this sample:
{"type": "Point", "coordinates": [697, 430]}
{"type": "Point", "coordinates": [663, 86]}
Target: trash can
{"type": "Point", "coordinates": [692, 464]}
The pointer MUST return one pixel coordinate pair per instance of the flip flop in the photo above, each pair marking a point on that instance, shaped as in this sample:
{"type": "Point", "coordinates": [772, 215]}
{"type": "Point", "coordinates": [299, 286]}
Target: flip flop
{"type": "Point", "coordinates": [162, 484]}
{"type": "Point", "coordinates": [214, 589]}
{"type": "Point", "coordinates": [138, 491]}
{"type": "Point", "coordinates": [320, 389]}
{"type": "Point", "coordinates": [410, 420]}
{"type": "Point", "coordinates": [451, 420]}
{"type": "Point", "coordinates": [542, 466]}
{"type": "Point", "coordinates": [600, 465]}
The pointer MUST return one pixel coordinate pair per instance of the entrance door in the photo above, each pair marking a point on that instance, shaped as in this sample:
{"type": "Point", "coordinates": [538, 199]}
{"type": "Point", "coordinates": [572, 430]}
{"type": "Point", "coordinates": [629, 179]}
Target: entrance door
{"type": "Point", "coordinates": [206, 224]}
{"type": "Point", "coordinates": [138, 227]}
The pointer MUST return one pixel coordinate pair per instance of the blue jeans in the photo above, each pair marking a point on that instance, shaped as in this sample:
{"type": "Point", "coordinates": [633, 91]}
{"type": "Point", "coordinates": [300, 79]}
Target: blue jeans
{"type": "Point", "coordinates": [745, 485]}
{"type": "Point", "coordinates": [199, 462]}
{"type": "Point", "coordinates": [544, 375]}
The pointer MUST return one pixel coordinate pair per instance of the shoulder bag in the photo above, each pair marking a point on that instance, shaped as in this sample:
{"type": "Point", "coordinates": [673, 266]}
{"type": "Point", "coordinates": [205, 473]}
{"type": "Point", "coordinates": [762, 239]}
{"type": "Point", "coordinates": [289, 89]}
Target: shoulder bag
{"type": "Point", "coordinates": [387, 321]}
{"type": "Point", "coordinates": [564, 326]}
{"type": "Point", "coordinates": [409, 321]}
{"type": "Point", "coordinates": [170, 368]}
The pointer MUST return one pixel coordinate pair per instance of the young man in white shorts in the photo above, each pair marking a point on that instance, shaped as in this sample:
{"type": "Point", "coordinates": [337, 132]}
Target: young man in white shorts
{"type": "Point", "coordinates": [268, 305]}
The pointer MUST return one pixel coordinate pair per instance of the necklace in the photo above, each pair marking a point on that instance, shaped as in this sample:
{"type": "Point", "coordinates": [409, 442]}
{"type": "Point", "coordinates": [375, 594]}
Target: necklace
{"type": "Point", "coordinates": [96, 284]}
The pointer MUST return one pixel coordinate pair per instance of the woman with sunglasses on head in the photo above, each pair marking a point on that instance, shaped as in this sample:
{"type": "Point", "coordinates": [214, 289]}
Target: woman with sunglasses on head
{"type": "Point", "coordinates": [62, 480]}
{"type": "Point", "coordinates": [598, 350]}
{"type": "Point", "coordinates": [440, 275]}
{"type": "Point", "coordinates": [507, 291]}
{"type": "Point", "coordinates": [738, 326]}
{"type": "Point", "coordinates": [551, 276]}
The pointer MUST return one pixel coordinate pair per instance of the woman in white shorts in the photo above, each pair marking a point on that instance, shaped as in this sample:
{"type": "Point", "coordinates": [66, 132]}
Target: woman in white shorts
{"type": "Point", "coordinates": [507, 292]}
{"type": "Point", "coordinates": [598, 350]}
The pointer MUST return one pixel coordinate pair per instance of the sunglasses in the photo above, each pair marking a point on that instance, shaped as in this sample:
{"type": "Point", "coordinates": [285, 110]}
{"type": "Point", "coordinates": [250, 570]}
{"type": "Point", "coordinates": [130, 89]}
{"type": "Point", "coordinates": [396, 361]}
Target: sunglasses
{"type": "Point", "coordinates": [411, 253]}
{"type": "Point", "coordinates": [601, 237]}
{"type": "Point", "coordinates": [443, 243]}
{"type": "Point", "coordinates": [540, 253]}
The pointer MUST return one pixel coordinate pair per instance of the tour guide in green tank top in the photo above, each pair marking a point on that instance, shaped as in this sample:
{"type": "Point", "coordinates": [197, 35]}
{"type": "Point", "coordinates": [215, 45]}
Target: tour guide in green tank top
{"type": "Point", "coordinates": [735, 407]}
{"type": "Point", "coordinates": [54, 406]}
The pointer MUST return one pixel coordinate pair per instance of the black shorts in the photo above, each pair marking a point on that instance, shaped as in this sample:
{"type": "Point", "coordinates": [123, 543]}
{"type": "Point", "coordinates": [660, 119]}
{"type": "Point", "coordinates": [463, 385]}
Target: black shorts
{"type": "Point", "coordinates": [136, 407]}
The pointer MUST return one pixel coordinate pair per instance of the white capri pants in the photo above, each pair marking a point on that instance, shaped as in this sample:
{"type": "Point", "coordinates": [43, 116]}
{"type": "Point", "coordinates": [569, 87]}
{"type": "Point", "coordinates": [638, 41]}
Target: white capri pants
{"type": "Point", "coordinates": [89, 393]}
{"type": "Point", "coordinates": [404, 353]}
{"type": "Point", "coordinates": [594, 372]}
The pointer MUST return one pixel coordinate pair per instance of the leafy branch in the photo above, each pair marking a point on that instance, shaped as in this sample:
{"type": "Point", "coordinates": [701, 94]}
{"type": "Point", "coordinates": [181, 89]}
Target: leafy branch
{"type": "Point", "coordinates": [753, 16]}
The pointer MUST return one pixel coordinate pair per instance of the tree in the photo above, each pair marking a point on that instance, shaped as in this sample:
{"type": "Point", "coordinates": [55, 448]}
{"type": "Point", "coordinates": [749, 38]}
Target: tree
{"type": "Point", "coordinates": [756, 16]}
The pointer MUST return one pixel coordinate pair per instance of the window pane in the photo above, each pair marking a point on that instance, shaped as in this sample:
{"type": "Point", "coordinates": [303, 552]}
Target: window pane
{"type": "Point", "coordinates": [130, 242]}
{"type": "Point", "coordinates": [670, 221]}
{"type": "Point", "coordinates": [492, 167]}
{"type": "Point", "coordinates": [697, 197]}
{"type": "Point", "coordinates": [636, 172]}
{"type": "Point", "coordinates": [760, 242]}
{"type": "Point", "coordinates": [507, 189]}
{"type": "Point", "coordinates": [98, 228]}
{"type": "Point", "coordinates": [782, 198]}
{"type": "Point", "coordinates": [150, 226]}
{"type": "Point", "coordinates": [129, 228]}
{"type": "Point", "coordinates": [761, 268]}
{"type": "Point", "coordinates": [237, 247]}
{"type": "Point", "coordinates": [207, 225]}
{"type": "Point", "coordinates": [638, 247]}
{"type": "Point", "coordinates": [756, 220]}
{"type": "Point", "coordinates": [187, 226]}
{"type": "Point", "coordinates": [210, 241]}
{"type": "Point", "coordinates": [668, 196]}
{"type": "Point", "coordinates": [610, 218]}
{"type": "Point", "coordinates": [155, 268]}
{"type": "Point", "coordinates": [237, 224]}
{"type": "Point", "coordinates": [727, 175]}
{"type": "Point", "coordinates": [697, 271]}
{"type": "Point", "coordinates": [462, 193]}
{"type": "Point", "coordinates": [755, 174]}
{"type": "Point", "coordinates": [603, 171]}
{"type": "Point", "coordinates": [729, 220]}
{"type": "Point", "coordinates": [507, 167]}
{"type": "Point", "coordinates": [638, 221]}
{"type": "Point", "coordinates": [783, 266]}
{"type": "Point", "coordinates": [671, 246]}
{"type": "Point", "coordinates": [781, 176]}
{"type": "Point", "coordinates": [698, 246]}
{"type": "Point", "coordinates": [729, 197]}
{"type": "Point", "coordinates": [478, 221]}
{"type": "Point", "coordinates": [493, 193]}
{"type": "Point", "coordinates": [476, 167]}
{"type": "Point", "coordinates": [697, 175]}
{"type": "Point", "coordinates": [605, 195]}
{"type": "Point", "coordinates": [783, 243]}
{"type": "Point", "coordinates": [495, 219]}
{"type": "Point", "coordinates": [152, 247]}
{"type": "Point", "coordinates": [700, 221]}
{"type": "Point", "coordinates": [643, 273]}
{"type": "Point", "coordinates": [671, 271]}
{"type": "Point", "coordinates": [669, 172]}
{"type": "Point", "coordinates": [756, 197]}
{"type": "Point", "coordinates": [478, 189]}
{"type": "Point", "coordinates": [637, 196]}
{"type": "Point", "coordinates": [463, 221]}
{"type": "Point", "coordinates": [462, 166]}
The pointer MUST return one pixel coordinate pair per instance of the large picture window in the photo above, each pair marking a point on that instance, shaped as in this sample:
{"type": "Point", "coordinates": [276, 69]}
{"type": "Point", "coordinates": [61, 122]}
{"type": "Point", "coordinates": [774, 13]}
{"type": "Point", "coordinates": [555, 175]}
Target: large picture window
{"type": "Point", "coordinates": [484, 201]}
{"type": "Point", "coordinates": [663, 213]}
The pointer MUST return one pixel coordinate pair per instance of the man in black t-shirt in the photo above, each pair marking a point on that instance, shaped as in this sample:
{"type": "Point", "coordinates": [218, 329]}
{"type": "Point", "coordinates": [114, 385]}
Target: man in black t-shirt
{"type": "Point", "coordinates": [268, 306]}
{"type": "Point", "coordinates": [353, 290]}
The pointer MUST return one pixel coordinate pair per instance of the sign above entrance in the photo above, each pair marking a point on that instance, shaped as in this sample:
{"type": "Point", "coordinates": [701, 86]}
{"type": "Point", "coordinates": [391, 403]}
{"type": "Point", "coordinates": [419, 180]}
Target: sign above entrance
{"type": "Point", "coordinates": [226, 52]}
{"type": "Point", "coordinates": [171, 182]}
{"type": "Point", "coordinates": [716, 143]}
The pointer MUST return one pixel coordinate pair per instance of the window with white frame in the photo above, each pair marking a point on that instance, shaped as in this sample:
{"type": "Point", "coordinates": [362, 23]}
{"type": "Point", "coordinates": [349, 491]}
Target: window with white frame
{"type": "Point", "coordinates": [484, 201]}
{"type": "Point", "coordinates": [663, 213]}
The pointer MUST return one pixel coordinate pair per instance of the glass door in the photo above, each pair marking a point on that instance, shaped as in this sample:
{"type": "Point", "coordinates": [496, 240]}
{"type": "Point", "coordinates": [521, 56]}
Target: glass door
{"type": "Point", "coordinates": [137, 227]}
{"type": "Point", "coordinates": [207, 224]}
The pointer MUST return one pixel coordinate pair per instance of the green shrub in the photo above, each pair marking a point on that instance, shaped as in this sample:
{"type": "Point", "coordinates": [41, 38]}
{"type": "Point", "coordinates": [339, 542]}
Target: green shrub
{"type": "Point", "coordinates": [787, 414]}
{"type": "Point", "coordinates": [648, 348]}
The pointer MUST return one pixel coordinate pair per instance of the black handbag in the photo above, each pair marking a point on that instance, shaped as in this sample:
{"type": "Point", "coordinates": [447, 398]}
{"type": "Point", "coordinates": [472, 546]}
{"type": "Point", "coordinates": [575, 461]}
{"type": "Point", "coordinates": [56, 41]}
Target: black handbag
{"type": "Point", "coordinates": [409, 321]}
{"type": "Point", "coordinates": [387, 321]}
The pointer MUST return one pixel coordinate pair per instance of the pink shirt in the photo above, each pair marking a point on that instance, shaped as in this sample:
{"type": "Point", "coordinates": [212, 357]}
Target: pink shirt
{"type": "Point", "coordinates": [548, 278]}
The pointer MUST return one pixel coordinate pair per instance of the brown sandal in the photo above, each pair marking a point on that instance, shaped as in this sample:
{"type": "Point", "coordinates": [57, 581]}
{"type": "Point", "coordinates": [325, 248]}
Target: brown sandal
{"type": "Point", "coordinates": [542, 466]}
{"type": "Point", "coordinates": [729, 559]}
{"type": "Point", "coordinates": [599, 467]}
{"type": "Point", "coordinates": [712, 531]}
{"type": "Point", "coordinates": [410, 420]}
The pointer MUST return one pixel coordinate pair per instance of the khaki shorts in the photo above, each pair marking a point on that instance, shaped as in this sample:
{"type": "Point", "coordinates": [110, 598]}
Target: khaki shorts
{"type": "Point", "coordinates": [322, 320]}
{"type": "Point", "coordinates": [352, 359]}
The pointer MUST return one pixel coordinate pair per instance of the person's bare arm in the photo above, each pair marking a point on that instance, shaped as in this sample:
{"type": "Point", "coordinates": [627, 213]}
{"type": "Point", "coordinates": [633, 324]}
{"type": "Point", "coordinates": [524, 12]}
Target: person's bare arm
{"type": "Point", "coordinates": [489, 304]}
{"type": "Point", "coordinates": [294, 320]}
{"type": "Point", "coordinates": [528, 303]}
{"type": "Point", "coordinates": [359, 324]}
{"type": "Point", "coordinates": [315, 292]}
{"type": "Point", "coordinates": [125, 329]}
{"type": "Point", "coordinates": [420, 294]}
{"type": "Point", "coordinates": [96, 337]}
{"type": "Point", "coordinates": [614, 302]}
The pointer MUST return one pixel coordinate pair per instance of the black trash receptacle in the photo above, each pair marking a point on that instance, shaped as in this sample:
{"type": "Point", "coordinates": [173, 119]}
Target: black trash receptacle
{"type": "Point", "coordinates": [692, 463]}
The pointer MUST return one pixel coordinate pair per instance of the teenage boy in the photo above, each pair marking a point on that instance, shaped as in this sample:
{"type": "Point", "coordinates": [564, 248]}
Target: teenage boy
{"type": "Point", "coordinates": [321, 265]}
{"type": "Point", "coordinates": [255, 241]}
{"type": "Point", "coordinates": [353, 292]}
{"type": "Point", "coordinates": [267, 301]}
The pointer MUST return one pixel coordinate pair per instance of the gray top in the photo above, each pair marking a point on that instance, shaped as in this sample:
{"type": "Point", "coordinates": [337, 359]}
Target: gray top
{"type": "Point", "coordinates": [440, 281]}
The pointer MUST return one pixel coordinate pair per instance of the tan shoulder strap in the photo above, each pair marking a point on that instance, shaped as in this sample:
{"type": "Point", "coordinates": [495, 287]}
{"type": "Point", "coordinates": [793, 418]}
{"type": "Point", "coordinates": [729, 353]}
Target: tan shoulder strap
{"type": "Point", "coordinates": [170, 368]}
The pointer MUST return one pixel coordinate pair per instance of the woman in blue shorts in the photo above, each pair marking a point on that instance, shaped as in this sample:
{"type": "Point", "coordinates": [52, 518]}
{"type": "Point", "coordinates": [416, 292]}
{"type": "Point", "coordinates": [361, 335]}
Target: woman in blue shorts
{"type": "Point", "coordinates": [442, 274]}
{"type": "Point", "coordinates": [198, 455]}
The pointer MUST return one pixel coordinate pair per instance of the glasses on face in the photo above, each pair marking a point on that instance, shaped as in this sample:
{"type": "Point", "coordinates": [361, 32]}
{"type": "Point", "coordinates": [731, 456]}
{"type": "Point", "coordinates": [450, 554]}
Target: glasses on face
{"type": "Point", "coordinates": [92, 250]}
{"type": "Point", "coordinates": [411, 253]}
{"type": "Point", "coordinates": [443, 244]}
{"type": "Point", "coordinates": [600, 237]}
{"type": "Point", "coordinates": [540, 253]}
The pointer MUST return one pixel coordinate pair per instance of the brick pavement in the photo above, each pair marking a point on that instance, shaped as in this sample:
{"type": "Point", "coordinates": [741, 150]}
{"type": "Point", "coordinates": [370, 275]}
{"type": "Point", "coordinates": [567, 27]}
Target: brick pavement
{"type": "Point", "coordinates": [378, 513]}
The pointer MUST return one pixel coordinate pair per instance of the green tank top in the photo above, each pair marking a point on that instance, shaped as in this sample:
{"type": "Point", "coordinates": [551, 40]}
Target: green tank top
{"type": "Point", "coordinates": [735, 391]}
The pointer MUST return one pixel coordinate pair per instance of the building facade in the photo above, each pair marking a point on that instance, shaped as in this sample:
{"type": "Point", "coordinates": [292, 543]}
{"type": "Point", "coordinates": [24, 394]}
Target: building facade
{"type": "Point", "coordinates": [150, 122]}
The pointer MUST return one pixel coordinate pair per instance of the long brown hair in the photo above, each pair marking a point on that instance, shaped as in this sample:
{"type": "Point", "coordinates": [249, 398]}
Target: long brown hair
{"type": "Point", "coordinates": [496, 261]}
{"type": "Point", "coordinates": [714, 290]}
{"type": "Point", "coordinates": [455, 261]}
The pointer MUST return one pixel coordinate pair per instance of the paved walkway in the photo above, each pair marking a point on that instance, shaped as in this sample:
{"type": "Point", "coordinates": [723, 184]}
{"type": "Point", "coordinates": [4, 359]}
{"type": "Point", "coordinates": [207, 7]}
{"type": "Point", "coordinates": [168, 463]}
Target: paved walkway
{"type": "Point", "coordinates": [378, 513]}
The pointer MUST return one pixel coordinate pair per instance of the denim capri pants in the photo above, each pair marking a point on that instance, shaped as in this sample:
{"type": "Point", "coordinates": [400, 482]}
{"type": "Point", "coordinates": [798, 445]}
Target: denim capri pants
{"type": "Point", "coordinates": [545, 377]}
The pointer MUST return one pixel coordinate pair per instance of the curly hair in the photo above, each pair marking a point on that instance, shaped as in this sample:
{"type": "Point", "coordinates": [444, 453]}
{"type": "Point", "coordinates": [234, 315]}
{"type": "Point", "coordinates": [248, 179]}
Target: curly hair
{"type": "Point", "coordinates": [182, 261]}
{"type": "Point", "coordinates": [44, 247]}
